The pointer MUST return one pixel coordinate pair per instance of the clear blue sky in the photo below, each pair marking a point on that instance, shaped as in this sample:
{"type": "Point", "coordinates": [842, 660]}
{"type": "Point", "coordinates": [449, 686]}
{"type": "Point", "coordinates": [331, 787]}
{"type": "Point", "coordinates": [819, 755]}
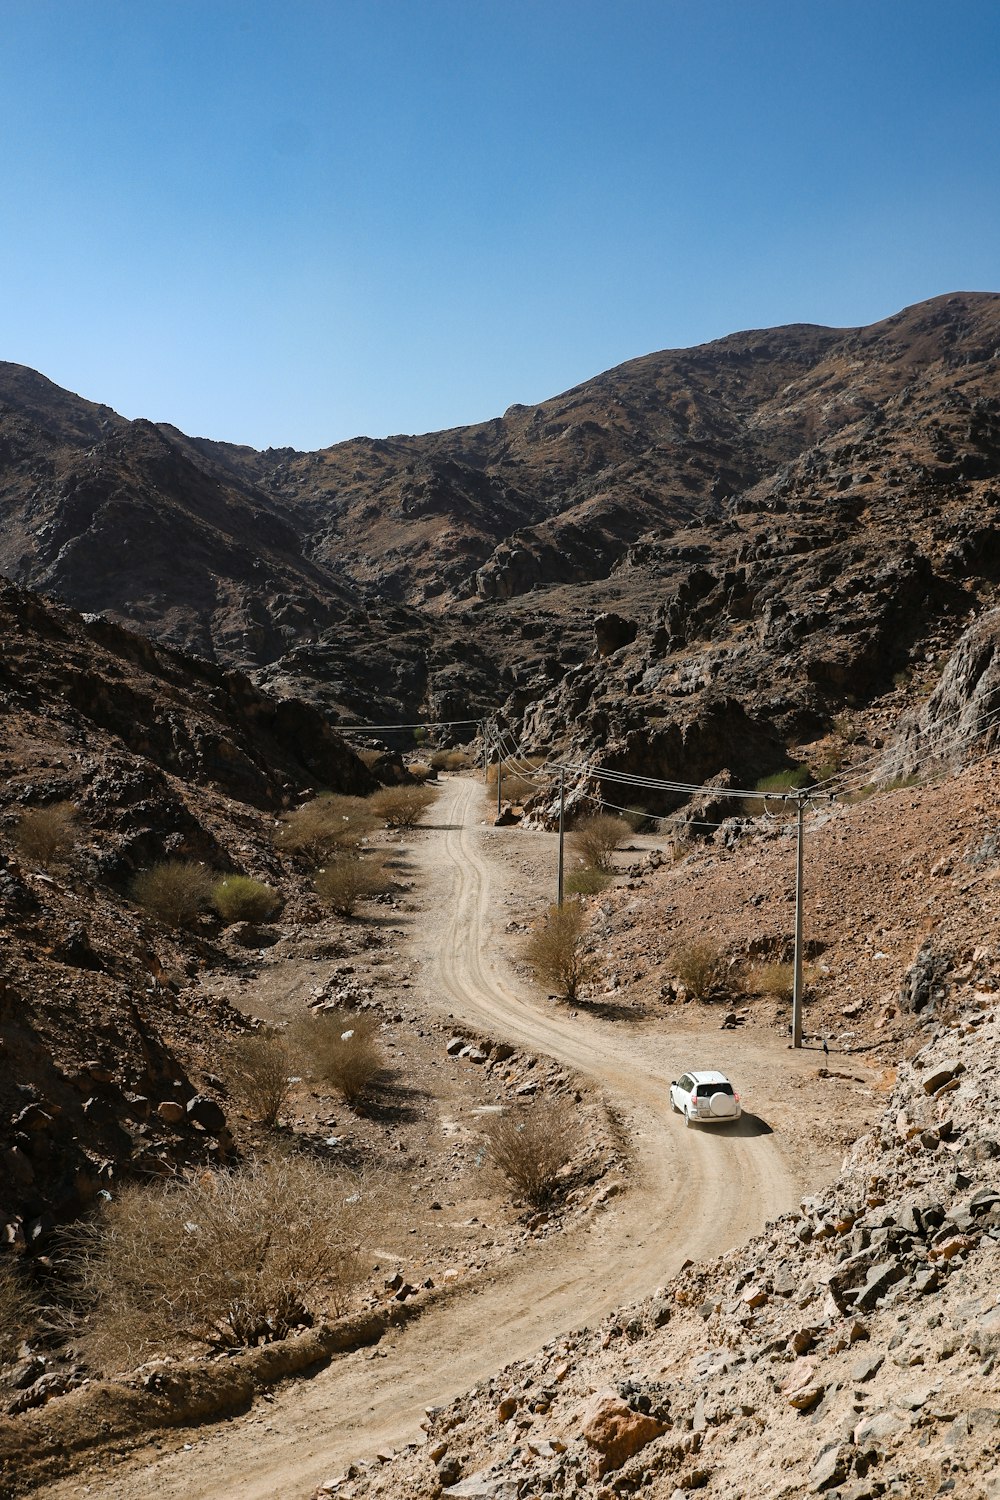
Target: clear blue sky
{"type": "Point", "coordinates": [288, 223]}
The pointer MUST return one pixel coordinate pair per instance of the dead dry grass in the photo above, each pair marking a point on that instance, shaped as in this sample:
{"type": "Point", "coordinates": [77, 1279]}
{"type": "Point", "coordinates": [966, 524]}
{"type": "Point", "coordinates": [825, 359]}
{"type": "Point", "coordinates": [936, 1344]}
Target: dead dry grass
{"type": "Point", "coordinates": [224, 1260]}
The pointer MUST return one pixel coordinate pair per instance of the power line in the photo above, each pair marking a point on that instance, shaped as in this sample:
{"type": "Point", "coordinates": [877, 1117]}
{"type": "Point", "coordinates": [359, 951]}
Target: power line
{"type": "Point", "coordinates": [423, 724]}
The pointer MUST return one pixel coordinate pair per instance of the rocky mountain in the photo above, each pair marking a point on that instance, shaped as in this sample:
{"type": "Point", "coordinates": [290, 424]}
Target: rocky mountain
{"type": "Point", "coordinates": [758, 533]}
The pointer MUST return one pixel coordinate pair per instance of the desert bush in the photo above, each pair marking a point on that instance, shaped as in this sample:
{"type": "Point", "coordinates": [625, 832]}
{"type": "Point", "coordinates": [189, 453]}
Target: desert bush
{"type": "Point", "coordinates": [532, 1146]}
{"type": "Point", "coordinates": [176, 891]}
{"type": "Point", "coordinates": [369, 756]}
{"type": "Point", "coordinates": [224, 1260]}
{"type": "Point", "coordinates": [344, 882]}
{"type": "Point", "coordinates": [17, 1309]}
{"type": "Point", "coordinates": [596, 839]}
{"type": "Point", "coordinates": [340, 1049]}
{"type": "Point", "coordinates": [556, 950]}
{"type": "Point", "coordinates": [326, 826]}
{"type": "Point", "coordinates": [794, 779]}
{"type": "Point", "coordinates": [237, 898]}
{"type": "Point", "coordinates": [586, 881]}
{"type": "Point", "coordinates": [401, 806]}
{"type": "Point", "coordinates": [45, 835]}
{"type": "Point", "coordinates": [775, 979]}
{"type": "Point", "coordinates": [420, 770]}
{"type": "Point", "coordinates": [260, 1070]}
{"type": "Point", "coordinates": [699, 967]}
{"type": "Point", "coordinates": [517, 772]}
{"type": "Point", "coordinates": [772, 788]}
{"type": "Point", "coordinates": [449, 760]}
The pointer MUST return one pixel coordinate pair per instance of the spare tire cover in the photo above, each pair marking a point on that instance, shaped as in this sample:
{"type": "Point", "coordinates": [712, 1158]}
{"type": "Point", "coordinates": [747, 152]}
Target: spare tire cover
{"type": "Point", "coordinates": [721, 1104]}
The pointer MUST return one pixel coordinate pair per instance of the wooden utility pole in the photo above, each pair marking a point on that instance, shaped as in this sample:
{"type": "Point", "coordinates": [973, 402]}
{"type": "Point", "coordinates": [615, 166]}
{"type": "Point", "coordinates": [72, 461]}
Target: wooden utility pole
{"type": "Point", "coordinates": [499, 781]}
{"type": "Point", "coordinates": [797, 981]}
{"type": "Point", "coordinates": [562, 824]}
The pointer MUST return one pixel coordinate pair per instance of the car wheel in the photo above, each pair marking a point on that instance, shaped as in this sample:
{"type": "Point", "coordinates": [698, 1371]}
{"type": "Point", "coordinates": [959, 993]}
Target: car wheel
{"type": "Point", "coordinates": [674, 1106]}
{"type": "Point", "coordinates": [687, 1119]}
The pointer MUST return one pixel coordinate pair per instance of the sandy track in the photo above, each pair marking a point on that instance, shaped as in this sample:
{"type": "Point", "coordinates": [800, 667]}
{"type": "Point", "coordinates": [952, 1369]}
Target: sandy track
{"type": "Point", "coordinates": [694, 1193]}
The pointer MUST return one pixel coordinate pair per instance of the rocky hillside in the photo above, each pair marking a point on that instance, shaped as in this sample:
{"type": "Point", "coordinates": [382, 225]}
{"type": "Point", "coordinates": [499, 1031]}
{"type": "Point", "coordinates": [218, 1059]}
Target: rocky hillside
{"type": "Point", "coordinates": [850, 1350]}
{"type": "Point", "coordinates": [101, 1023]}
{"type": "Point", "coordinates": [732, 543]}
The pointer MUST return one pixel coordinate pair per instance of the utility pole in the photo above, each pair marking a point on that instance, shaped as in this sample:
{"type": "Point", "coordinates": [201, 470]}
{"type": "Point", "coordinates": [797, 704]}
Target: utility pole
{"type": "Point", "coordinates": [797, 982]}
{"type": "Point", "coordinates": [499, 781]}
{"type": "Point", "coordinates": [562, 823]}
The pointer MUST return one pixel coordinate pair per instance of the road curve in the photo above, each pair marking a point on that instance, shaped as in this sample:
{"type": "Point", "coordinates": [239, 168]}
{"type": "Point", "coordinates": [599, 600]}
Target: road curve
{"type": "Point", "coordinates": [693, 1193]}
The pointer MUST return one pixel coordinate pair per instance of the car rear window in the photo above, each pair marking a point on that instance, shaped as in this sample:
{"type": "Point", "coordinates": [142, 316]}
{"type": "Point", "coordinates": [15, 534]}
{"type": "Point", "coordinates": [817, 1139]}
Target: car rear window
{"type": "Point", "coordinates": [706, 1090]}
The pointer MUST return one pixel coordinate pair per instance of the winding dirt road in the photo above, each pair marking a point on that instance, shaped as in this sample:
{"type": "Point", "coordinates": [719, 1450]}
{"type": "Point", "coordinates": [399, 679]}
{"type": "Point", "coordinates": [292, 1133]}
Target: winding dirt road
{"type": "Point", "coordinates": [693, 1193]}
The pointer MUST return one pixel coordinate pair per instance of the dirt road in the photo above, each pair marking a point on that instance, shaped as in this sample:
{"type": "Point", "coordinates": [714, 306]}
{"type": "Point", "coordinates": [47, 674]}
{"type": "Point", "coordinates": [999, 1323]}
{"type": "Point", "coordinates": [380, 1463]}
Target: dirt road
{"type": "Point", "coordinates": [693, 1193]}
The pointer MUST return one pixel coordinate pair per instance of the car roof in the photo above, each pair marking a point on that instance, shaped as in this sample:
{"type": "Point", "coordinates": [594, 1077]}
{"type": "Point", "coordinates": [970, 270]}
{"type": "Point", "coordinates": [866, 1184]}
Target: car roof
{"type": "Point", "coordinates": [708, 1077]}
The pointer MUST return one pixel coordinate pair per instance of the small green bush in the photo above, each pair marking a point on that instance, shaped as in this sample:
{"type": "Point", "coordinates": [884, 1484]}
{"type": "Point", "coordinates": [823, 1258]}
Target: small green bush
{"type": "Point", "coordinates": [345, 882]}
{"type": "Point", "coordinates": [532, 1146]}
{"type": "Point", "coordinates": [340, 1049]}
{"type": "Point", "coordinates": [791, 780]}
{"type": "Point", "coordinates": [556, 950]}
{"type": "Point", "coordinates": [401, 806]}
{"type": "Point", "coordinates": [237, 898]}
{"type": "Point", "coordinates": [176, 891]}
{"type": "Point", "coordinates": [46, 835]}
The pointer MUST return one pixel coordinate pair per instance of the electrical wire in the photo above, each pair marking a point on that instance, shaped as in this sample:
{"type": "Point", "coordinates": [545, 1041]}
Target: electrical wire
{"type": "Point", "coordinates": [423, 724]}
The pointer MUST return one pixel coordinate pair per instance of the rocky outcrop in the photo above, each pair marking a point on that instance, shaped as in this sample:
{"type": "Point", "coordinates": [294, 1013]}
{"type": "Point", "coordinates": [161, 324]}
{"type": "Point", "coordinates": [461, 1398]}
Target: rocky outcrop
{"type": "Point", "coordinates": [962, 716]}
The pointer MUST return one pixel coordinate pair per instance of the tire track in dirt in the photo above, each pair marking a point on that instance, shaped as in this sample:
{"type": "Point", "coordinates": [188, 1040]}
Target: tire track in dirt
{"type": "Point", "coordinates": [691, 1193]}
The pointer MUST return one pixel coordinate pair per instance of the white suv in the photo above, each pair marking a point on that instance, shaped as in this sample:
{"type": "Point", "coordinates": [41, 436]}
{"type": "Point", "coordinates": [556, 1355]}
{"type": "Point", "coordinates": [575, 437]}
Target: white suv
{"type": "Point", "coordinates": [704, 1098]}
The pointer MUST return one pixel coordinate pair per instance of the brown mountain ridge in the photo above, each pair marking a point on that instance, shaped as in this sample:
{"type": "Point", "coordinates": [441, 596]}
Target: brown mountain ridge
{"type": "Point", "coordinates": [781, 520]}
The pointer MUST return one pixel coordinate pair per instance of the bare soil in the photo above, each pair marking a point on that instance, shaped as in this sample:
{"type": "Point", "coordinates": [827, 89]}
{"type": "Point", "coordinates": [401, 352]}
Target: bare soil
{"type": "Point", "coordinates": [686, 1194]}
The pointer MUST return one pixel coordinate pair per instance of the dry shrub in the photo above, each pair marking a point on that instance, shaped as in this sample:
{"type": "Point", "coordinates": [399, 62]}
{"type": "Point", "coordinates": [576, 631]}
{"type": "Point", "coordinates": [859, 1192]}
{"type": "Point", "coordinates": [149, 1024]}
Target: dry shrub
{"type": "Point", "coordinates": [369, 756]}
{"type": "Point", "coordinates": [449, 760]}
{"type": "Point", "coordinates": [328, 825]}
{"type": "Point", "coordinates": [260, 1069]}
{"type": "Point", "coordinates": [237, 898]}
{"type": "Point", "coordinates": [225, 1260]}
{"type": "Point", "coordinates": [532, 1146]}
{"type": "Point", "coordinates": [340, 1049]}
{"type": "Point", "coordinates": [527, 764]}
{"type": "Point", "coordinates": [420, 770]}
{"type": "Point", "coordinates": [401, 806]}
{"type": "Point", "coordinates": [556, 950]}
{"type": "Point", "coordinates": [775, 979]}
{"type": "Point", "coordinates": [518, 788]}
{"type": "Point", "coordinates": [176, 891]}
{"type": "Point", "coordinates": [344, 882]}
{"type": "Point", "coordinates": [17, 1308]}
{"type": "Point", "coordinates": [699, 968]}
{"type": "Point", "coordinates": [46, 835]}
{"type": "Point", "coordinates": [596, 839]}
{"type": "Point", "coordinates": [586, 881]}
